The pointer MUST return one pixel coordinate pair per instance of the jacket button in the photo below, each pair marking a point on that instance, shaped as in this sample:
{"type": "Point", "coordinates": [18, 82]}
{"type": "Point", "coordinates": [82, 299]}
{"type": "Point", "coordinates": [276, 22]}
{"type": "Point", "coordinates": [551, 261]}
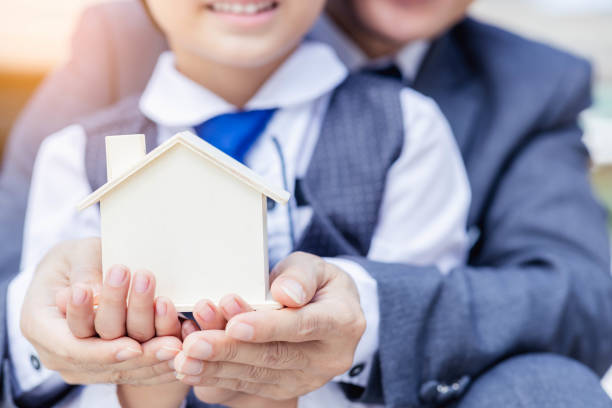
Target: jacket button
{"type": "Point", "coordinates": [435, 393]}
{"type": "Point", "coordinates": [442, 389]}
{"type": "Point", "coordinates": [356, 370]}
{"type": "Point", "coordinates": [35, 362]}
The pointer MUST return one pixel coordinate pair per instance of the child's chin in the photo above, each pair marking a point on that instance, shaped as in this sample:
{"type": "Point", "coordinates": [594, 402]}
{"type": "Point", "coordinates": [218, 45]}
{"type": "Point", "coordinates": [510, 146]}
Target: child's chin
{"type": "Point", "coordinates": [251, 54]}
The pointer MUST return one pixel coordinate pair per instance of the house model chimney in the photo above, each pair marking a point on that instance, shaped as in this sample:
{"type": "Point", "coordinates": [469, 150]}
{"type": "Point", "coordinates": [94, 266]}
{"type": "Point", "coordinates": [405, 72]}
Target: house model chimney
{"type": "Point", "coordinates": [122, 153]}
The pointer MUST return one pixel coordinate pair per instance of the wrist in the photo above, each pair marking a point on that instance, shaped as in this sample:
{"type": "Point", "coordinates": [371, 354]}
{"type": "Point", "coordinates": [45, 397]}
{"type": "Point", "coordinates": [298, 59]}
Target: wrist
{"type": "Point", "coordinates": [169, 395]}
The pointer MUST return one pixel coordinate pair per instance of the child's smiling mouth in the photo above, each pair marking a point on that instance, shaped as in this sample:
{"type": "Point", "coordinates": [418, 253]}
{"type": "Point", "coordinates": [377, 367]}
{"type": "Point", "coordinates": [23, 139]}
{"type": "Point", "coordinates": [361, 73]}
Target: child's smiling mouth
{"type": "Point", "coordinates": [248, 8]}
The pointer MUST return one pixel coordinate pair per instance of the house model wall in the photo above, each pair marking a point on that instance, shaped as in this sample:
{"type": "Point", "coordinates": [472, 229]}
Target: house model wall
{"type": "Point", "coordinates": [190, 214]}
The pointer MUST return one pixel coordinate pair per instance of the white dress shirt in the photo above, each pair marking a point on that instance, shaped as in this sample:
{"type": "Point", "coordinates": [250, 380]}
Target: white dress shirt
{"type": "Point", "coordinates": [422, 217]}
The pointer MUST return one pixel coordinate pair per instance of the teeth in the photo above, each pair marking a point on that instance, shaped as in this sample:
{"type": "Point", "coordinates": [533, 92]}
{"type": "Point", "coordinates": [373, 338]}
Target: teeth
{"type": "Point", "coordinates": [237, 8]}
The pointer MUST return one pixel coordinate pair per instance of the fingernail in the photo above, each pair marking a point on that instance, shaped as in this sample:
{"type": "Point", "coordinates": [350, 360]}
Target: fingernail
{"type": "Point", "coordinates": [190, 379]}
{"type": "Point", "coordinates": [294, 290]}
{"type": "Point", "coordinates": [127, 354]}
{"type": "Point", "coordinates": [166, 353]}
{"type": "Point", "coordinates": [232, 308]}
{"type": "Point", "coordinates": [240, 331]}
{"type": "Point", "coordinates": [116, 277]}
{"type": "Point", "coordinates": [206, 313]}
{"type": "Point", "coordinates": [79, 295]}
{"type": "Point", "coordinates": [200, 349]}
{"type": "Point", "coordinates": [191, 367]}
{"type": "Point", "coordinates": [141, 283]}
{"type": "Point", "coordinates": [161, 308]}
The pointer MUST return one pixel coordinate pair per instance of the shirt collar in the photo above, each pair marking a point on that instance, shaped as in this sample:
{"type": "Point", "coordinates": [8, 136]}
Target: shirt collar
{"type": "Point", "coordinates": [408, 59]}
{"type": "Point", "coordinates": [173, 100]}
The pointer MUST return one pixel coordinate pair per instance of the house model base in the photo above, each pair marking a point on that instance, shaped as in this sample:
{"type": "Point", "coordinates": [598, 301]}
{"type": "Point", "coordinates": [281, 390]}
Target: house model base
{"type": "Point", "coordinates": [190, 214]}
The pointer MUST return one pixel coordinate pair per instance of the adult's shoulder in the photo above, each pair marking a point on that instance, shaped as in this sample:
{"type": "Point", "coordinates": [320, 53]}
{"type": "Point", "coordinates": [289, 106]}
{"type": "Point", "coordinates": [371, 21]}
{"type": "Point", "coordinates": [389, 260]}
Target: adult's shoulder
{"type": "Point", "coordinates": [506, 52]}
{"type": "Point", "coordinates": [517, 68]}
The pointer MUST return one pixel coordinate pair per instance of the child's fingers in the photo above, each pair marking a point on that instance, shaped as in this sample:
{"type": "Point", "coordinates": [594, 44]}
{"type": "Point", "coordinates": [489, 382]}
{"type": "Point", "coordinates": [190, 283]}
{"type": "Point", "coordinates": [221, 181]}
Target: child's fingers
{"type": "Point", "coordinates": [80, 313]}
{"type": "Point", "coordinates": [232, 305]}
{"type": "Point", "coordinates": [187, 328]}
{"type": "Point", "coordinates": [111, 314]}
{"type": "Point", "coordinates": [161, 349]}
{"type": "Point", "coordinates": [208, 316]}
{"type": "Point", "coordinates": [141, 313]}
{"type": "Point", "coordinates": [166, 319]}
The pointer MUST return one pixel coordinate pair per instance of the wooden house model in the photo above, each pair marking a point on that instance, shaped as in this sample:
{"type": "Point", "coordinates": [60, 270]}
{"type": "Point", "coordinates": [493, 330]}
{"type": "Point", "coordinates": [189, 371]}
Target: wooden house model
{"type": "Point", "coordinates": [190, 214]}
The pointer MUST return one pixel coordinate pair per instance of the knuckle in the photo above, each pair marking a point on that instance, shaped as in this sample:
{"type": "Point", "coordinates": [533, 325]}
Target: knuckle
{"type": "Point", "coordinates": [140, 335]}
{"type": "Point", "coordinates": [246, 387]}
{"type": "Point", "coordinates": [230, 350]}
{"type": "Point", "coordinates": [360, 324]}
{"type": "Point", "coordinates": [322, 268]}
{"type": "Point", "coordinates": [275, 353]}
{"type": "Point", "coordinates": [313, 324]}
{"type": "Point", "coordinates": [119, 377]}
{"type": "Point", "coordinates": [281, 354]}
{"type": "Point", "coordinates": [108, 332]}
{"type": "Point", "coordinates": [210, 368]}
{"type": "Point", "coordinates": [349, 320]}
{"type": "Point", "coordinates": [256, 374]}
{"type": "Point", "coordinates": [160, 369]}
{"type": "Point", "coordinates": [211, 381]}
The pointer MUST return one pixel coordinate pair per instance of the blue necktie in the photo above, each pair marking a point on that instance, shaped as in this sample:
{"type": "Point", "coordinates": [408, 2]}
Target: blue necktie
{"type": "Point", "coordinates": [235, 133]}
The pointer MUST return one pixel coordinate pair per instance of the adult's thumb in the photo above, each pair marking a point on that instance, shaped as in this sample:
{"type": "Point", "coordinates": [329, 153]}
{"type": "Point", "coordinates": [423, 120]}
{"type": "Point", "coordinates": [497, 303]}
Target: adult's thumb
{"type": "Point", "coordinates": [296, 279]}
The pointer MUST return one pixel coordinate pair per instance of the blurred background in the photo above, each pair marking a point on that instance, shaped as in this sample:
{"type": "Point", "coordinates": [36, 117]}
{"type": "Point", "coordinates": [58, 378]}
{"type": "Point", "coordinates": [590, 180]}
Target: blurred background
{"type": "Point", "coordinates": [35, 37]}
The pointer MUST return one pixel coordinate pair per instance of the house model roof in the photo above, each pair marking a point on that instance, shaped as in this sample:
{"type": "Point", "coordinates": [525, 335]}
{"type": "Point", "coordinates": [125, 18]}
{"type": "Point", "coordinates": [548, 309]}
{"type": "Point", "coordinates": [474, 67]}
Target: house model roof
{"type": "Point", "coordinates": [207, 152]}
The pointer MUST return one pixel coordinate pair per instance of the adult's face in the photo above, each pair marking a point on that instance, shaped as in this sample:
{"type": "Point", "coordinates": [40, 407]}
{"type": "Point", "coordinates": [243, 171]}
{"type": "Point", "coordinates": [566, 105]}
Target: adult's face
{"type": "Point", "coordinates": [381, 26]}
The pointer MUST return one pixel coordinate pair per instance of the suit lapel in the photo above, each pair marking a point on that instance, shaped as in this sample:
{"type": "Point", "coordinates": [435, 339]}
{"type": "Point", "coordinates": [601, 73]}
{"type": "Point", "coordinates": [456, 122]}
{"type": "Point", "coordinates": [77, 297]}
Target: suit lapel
{"type": "Point", "coordinates": [447, 77]}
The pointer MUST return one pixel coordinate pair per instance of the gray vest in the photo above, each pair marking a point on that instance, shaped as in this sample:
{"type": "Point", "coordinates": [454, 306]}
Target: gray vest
{"type": "Point", "coordinates": [362, 135]}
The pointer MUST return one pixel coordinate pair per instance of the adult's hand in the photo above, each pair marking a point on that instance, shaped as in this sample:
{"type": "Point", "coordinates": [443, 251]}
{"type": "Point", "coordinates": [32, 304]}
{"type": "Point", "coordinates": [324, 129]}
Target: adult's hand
{"type": "Point", "coordinates": [123, 360]}
{"type": "Point", "coordinates": [279, 354]}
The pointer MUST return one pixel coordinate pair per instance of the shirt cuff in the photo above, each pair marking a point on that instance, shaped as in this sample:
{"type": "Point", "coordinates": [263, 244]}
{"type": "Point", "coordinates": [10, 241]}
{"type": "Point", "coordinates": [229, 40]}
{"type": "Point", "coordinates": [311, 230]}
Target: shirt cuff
{"type": "Point", "coordinates": [28, 371]}
{"type": "Point", "coordinates": [367, 287]}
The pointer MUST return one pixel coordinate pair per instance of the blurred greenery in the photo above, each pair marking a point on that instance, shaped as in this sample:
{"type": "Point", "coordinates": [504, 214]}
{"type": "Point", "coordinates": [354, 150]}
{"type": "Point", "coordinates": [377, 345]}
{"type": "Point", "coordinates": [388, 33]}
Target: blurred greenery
{"type": "Point", "coordinates": [603, 100]}
{"type": "Point", "coordinates": [602, 175]}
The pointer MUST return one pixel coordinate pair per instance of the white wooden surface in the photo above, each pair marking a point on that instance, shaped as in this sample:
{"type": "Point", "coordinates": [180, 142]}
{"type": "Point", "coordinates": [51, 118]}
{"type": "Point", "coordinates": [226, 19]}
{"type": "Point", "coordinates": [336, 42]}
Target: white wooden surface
{"type": "Point", "coordinates": [123, 153]}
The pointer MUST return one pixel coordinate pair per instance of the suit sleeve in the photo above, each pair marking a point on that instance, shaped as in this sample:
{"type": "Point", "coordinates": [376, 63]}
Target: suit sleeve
{"type": "Point", "coordinates": [80, 87]}
{"type": "Point", "coordinates": [537, 280]}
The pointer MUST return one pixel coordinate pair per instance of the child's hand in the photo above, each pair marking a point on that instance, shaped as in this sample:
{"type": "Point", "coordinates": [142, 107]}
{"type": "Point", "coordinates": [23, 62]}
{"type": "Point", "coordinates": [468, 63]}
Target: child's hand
{"type": "Point", "coordinates": [142, 320]}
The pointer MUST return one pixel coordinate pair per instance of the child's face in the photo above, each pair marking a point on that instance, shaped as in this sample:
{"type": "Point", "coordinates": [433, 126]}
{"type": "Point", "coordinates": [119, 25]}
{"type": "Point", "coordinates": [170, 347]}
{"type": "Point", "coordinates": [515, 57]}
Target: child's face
{"type": "Point", "coordinates": [237, 33]}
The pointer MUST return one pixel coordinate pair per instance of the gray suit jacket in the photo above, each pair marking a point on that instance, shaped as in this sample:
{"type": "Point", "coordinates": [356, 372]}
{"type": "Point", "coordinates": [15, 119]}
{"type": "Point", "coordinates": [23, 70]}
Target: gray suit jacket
{"type": "Point", "coordinates": [538, 277]}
